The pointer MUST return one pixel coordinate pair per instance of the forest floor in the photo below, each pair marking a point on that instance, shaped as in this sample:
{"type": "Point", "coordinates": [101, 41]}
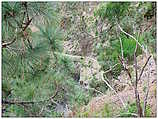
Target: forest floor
{"type": "Point", "coordinates": [98, 103]}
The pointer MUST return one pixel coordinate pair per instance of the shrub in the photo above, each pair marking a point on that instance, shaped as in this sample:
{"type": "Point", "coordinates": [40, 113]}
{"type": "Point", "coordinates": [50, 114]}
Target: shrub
{"type": "Point", "coordinates": [112, 10]}
{"type": "Point", "coordinates": [132, 108]}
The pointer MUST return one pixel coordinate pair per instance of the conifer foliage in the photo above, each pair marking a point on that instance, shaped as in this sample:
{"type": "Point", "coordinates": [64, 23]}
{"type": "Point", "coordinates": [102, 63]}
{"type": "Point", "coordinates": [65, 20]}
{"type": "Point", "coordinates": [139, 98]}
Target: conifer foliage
{"type": "Point", "coordinates": [34, 79]}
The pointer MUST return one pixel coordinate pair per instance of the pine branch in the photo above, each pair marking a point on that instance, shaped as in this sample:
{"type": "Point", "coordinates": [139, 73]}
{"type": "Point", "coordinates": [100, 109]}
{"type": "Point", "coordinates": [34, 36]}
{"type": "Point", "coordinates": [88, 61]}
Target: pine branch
{"type": "Point", "coordinates": [31, 102]}
{"type": "Point", "coordinates": [4, 45]}
{"type": "Point", "coordinates": [27, 24]}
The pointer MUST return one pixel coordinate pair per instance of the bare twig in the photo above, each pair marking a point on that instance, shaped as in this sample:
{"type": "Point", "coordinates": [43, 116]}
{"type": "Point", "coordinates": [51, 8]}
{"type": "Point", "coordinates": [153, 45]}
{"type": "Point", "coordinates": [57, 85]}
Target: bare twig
{"type": "Point", "coordinates": [146, 94]}
{"type": "Point", "coordinates": [27, 24]}
{"type": "Point", "coordinates": [121, 47]}
{"type": "Point", "coordinates": [144, 67]}
{"type": "Point", "coordinates": [124, 105]}
{"type": "Point", "coordinates": [110, 68]}
{"type": "Point", "coordinates": [124, 66]}
{"type": "Point", "coordinates": [41, 110]}
{"type": "Point", "coordinates": [4, 45]}
{"type": "Point", "coordinates": [139, 108]}
{"type": "Point", "coordinates": [96, 90]}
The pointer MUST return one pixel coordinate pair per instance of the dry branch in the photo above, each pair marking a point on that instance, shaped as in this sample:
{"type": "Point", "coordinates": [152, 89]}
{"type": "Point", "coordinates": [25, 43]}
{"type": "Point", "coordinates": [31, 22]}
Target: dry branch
{"type": "Point", "coordinates": [133, 114]}
{"type": "Point", "coordinates": [121, 47]}
{"type": "Point", "coordinates": [96, 90]}
{"type": "Point", "coordinates": [110, 68]}
{"type": "Point", "coordinates": [124, 105]}
{"type": "Point", "coordinates": [144, 67]}
{"type": "Point", "coordinates": [139, 108]}
{"type": "Point", "coordinates": [124, 66]}
{"type": "Point", "coordinates": [147, 90]}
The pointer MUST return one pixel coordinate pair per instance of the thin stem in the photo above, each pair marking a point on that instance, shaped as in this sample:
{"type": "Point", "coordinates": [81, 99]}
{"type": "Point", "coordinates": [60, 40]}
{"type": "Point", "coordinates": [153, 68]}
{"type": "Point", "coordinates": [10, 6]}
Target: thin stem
{"type": "Point", "coordinates": [124, 66]}
{"type": "Point", "coordinates": [139, 108]}
{"type": "Point", "coordinates": [146, 95]}
{"type": "Point", "coordinates": [110, 68]}
{"type": "Point", "coordinates": [121, 47]}
{"type": "Point", "coordinates": [144, 67]}
{"type": "Point", "coordinates": [124, 105]}
{"type": "Point", "coordinates": [96, 90]}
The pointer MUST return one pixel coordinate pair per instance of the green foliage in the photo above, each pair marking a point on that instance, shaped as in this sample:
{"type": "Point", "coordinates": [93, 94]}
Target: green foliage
{"type": "Point", "coordinates": [148, 8]}
{"type": "Point", "coordinates": [16, 110]}
{"type": "Point", "coordinates": [112, 10]}
{"type": "Point", "coordinates": [132, 108]}
{"type": "Point", "coordinates": [6, 88]}
{"type": "Point", "coordinates": [108, 56]}
{"type": "Point", "coordinates": [148, 40]}
{"type": "Point", "coordinates": [32, 71]}
{"type": "Point", "coordinates": [128, 45]}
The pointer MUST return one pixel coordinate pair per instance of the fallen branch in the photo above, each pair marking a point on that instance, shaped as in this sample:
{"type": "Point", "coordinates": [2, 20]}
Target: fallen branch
{"type": "Point", "coordinates": [110, 68]}
{"type": "Point", "coordinates": [25, 102]}
{"type": "Point", "coordinates": [124, 105]}
{"type": "Point", "coordinates": [133, 114]}
{"type": "Point", "coordinates": [96, 90]}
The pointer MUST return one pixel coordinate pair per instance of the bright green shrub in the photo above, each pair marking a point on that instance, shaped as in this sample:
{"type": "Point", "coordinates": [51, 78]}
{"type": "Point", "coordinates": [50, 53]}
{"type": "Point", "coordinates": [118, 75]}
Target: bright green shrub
{"type": "Point", "coordinates": [112, 10]}
{"type": "Point", "coordinates": [132, 108]}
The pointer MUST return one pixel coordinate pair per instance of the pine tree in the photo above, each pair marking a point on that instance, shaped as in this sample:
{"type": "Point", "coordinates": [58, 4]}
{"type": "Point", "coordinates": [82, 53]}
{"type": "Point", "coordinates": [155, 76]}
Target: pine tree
{"type": "Point", "coordinates": [34, 77]}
